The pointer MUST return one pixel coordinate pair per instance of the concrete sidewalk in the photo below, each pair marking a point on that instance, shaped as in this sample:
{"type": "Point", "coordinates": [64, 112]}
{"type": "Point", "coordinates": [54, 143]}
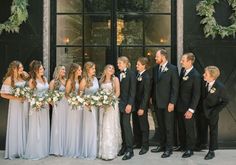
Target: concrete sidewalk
{"type": "Point", "coordinates": [223, 157]}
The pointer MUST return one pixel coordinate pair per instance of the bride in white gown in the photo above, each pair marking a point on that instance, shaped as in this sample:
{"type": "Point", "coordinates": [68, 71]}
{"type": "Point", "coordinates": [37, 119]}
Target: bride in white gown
{"type": "Point", "coordinates": [109, 120]}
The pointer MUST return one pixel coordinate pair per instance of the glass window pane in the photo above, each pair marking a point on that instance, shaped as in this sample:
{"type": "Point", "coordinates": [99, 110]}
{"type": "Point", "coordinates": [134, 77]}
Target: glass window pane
{"type": "Point", "coordinates": [133, 53]}
{"type": "Point", "coordinates": [150, 53]}
{"type": "Point", "coordinates": [68, 55]}
{"type": "Point", "coordinates": [97, 30]}
{"type": "Point", "coordinates": [69, 29]}
{"type": "Point", "coordinates": [158, 6]}
{"type": "Point", "coordinates": [97, 5]}
{"type": "Point", "coordinates": [157, 30]}
{"type": "Point", "coordinates": [69, 6]}
{"type": "Point", "coordinates": [129, 30]}
{"type": "Point", "coordinates": [98, 55]}
{"type": "Point", "coordinates": [130, 5]}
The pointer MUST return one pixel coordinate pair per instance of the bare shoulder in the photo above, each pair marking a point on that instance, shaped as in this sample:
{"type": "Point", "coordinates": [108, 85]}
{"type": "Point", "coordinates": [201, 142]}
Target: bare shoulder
{"type": "Point", "coordinates": [7, 81]}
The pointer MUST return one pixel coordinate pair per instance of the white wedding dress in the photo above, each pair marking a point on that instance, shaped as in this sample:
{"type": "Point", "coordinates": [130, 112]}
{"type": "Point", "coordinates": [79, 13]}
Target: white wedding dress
{"type": "Point", "coordinates": [109, 129]}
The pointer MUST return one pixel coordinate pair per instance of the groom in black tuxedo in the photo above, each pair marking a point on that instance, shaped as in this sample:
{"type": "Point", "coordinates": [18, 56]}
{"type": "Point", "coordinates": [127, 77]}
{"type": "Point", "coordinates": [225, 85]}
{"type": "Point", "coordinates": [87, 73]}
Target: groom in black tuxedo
{"type": "Point", "coordinates": [126, 105]}
{"type": "Point", "coordinates": [164, 96]}
{"type": "Point", "coordinates": [189, 95]}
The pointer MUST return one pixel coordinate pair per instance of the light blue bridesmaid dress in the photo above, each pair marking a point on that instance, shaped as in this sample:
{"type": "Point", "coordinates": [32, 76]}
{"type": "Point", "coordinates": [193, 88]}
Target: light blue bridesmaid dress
{"type": "Point", "coordinates": [90, 126]}
{"type": "Point", "coordinates": [58, 127]}
{"type": "Point", "coordinates": [16, 124]}
{"type": "Point", "coordinates": [37, 146]}
{"type": "Point", "coordinates": [74, 130]}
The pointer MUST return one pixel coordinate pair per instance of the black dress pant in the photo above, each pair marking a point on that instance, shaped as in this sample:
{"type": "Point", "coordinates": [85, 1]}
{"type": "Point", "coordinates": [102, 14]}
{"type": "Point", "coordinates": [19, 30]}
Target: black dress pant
{"type": "Point", "coordinates": [141, 129]}
{"type": "Point", "coordinates": [202, 130]}
{"type": "Point", "coordinates": [165, 121]}
{"type": "Point", "coordinates": [126, 131]}
{"type": "Point", "coordinates": [187, 132]}
{"type": "Point", "coordinates": [212, 122]}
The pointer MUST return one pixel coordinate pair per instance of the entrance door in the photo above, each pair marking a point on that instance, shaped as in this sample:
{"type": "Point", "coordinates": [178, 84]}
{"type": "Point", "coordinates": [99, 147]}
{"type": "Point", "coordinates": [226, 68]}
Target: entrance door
{"type": "Point", "coordinates": [102, 30]}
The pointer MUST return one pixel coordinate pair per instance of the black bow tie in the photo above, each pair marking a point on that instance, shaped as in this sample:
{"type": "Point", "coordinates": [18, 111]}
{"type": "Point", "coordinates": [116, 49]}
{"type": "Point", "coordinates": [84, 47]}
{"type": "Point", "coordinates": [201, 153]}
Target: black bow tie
{"type": "Point", "coordinates": [123, 71]}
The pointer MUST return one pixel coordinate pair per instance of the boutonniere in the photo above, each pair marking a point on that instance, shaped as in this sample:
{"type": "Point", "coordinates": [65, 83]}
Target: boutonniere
{"type": "Point", "coordinates": [165, 69]}
{"type": "Point", "coordinates": [213, 90]}
{"type": "Point", "coordinates": [123, 75]}
{"type": "Point", "coordinates": [185, 78]}
{"type": "Point", "coordinates": [139, 78]}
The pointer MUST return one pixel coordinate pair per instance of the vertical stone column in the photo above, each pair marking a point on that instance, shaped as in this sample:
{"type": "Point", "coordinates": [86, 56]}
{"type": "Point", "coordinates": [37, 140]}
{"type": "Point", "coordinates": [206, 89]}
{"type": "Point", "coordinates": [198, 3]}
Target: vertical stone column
{"type": "Point", "coordinates": [180, 29]}
{"type": "Point", "coordinates": [46, 36]}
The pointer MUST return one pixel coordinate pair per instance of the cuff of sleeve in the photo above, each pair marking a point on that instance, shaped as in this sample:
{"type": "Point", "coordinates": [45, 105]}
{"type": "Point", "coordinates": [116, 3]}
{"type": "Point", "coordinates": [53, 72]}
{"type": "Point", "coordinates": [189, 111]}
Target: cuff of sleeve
{"type": "Point", "coordinates": [191, 110]}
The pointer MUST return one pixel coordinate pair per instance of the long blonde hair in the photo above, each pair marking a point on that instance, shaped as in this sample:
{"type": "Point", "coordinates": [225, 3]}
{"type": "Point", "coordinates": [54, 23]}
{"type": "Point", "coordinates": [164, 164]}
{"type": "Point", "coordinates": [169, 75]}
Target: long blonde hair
{"type": "Point", "coordinates": [56, 76]}
{"type": "Point", "coordinates": [125, 60]}
{"type": "Point", "coordinates": [88, 65]}
{"type": "Point", "coordinates": [103, 77]}
{"type": "Point", "coordinates": [71, 75]}
{"type": "Point", "coordinates": [10, 72]}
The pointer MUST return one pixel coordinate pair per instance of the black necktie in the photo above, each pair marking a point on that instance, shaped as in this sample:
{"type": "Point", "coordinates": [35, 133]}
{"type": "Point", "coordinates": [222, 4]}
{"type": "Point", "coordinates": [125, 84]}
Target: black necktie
{"type": "Point", "coordinates": [160, 68]}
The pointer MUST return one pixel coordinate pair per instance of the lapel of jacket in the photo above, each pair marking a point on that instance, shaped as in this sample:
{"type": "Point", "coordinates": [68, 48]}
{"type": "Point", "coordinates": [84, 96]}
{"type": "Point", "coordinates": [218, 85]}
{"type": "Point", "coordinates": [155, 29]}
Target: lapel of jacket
{"type": "Point", "coordinates": [163, 71]}
{"type": "Point", "coordinates": [213, 88]}
{"type": "Point", "coordinates": [188, 75]}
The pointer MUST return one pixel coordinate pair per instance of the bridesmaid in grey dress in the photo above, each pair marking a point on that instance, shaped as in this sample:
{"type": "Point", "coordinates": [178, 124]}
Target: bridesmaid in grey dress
{"type": "Point", "coordinates": [73, 134]}
{"type": "Point", "coordinates": [37, 145]}
{"type": "Point", "coordinates": [59, 113]}
{"type": "Point", "coordinates": [17, 111]}
{"type": "Point", "coordinates": [89, 85]}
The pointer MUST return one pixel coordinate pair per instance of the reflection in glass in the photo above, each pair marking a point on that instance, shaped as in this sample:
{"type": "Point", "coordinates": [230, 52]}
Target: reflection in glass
{"type": "Point", "coordinates": [69, 6]}
{"type": "Point", "coordinates": [97, 30]}
{"type": "Point", "coordinates": [98, 55]}
{"type": "Point", "coordinates": [150, 53]}
{"type": "Point", "coordinates": [158, 6]}
{"type": "Point", "coordinates": [157, 30]}
{"type": "Point", "coordinates": [133, 53]}
{"type": "Point", "coordinates": [67, 55]}
{"type": "Point", "coordinates": [131, 5]}
{"type": "Point", "coordinates": [97, 5]}
{"type": "Point", "coordinates": [69, 29]}
{"type": "Point", "coordinates": [130, 29]}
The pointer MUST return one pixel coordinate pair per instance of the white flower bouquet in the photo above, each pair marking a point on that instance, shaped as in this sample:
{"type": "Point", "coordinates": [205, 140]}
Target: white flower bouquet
{"type": "Point", "coordinates": [37, 102]}
{"type": "Point", "coordinates": [54, 96]}
{"type": "Point", "coordinates": [75, 100]}
{"type": "Point", "coordinates": [107, 98]}
{"type": "Point", "coordinates": [21, 92]}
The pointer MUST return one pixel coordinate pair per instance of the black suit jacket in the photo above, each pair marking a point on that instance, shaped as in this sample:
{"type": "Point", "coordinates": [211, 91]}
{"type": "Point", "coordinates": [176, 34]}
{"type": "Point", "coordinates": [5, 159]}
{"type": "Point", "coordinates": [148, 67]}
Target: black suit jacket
{"type": "Point", "coordinates": [165, 86]}
{"type": "Point", "coordinates": [127, 90]}
{"type": "Point", "coordinates": [189, 91]}
{"type": "Point", "coordinates": [142, 91]}
{"type": "Point", "coordinates": [214, 100]}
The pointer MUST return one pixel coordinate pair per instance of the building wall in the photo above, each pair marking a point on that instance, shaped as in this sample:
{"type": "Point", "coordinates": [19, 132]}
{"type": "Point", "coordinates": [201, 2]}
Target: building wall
{"type": "Point", "coordinates": [25, 46]}
{"type": "Point", "coordinates": [219, 52]}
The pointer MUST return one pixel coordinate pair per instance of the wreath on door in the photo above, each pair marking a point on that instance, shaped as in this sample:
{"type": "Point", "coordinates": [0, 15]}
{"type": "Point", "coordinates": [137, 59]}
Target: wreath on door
{"type": "Point", "coordinates": [19, 14]}
{"type": "Point", "coordinates": [205, 8]}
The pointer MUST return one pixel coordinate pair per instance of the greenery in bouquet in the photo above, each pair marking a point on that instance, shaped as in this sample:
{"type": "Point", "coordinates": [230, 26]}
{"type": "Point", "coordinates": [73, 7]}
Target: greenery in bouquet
{"type": "Point", "coordinates": [91, 100]}
{"type": "Point", "coordinates": [37, 102]}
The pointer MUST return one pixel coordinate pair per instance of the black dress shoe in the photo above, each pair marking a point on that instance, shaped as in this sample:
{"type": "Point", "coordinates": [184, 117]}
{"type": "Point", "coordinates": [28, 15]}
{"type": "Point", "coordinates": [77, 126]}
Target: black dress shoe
{"type": "Point", "coordinates": [166, 154]}
{"type": "Point", "coordinates": [187, 154]}
{"type": "Point", "coordinates": [121, 152]}
{"type": "Point", "coordinates": [143, 151]}
{"type": "Point", "coordinates": [158, 149]}
{"type": "Point", "coordinates": [128, 155]}
{"type": "Point", "coordinates": [210, 155]}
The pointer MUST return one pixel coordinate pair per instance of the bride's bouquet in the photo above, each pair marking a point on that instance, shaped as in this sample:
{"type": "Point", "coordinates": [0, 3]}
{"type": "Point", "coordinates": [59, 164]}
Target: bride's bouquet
{"type": "Point", "coordinates": [75, 100]}
{"type": "Point", "coordinates": [21, 92]}
{"type": "Point", "coordinates": [54, 96]}
{"type": "Point", "coordinates": [107, 98]}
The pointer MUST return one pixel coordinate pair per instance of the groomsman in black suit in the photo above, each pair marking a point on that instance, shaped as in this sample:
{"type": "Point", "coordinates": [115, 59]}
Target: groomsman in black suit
{"type": "Point", "coordinates": [140, 115]}
{"type": "Point", "coordinates": [126, 105]}
{"type": "Point", "coordinates": [214, 100]}
{"type": "Point", "coordinates": [164, 97]}
{"type": "Point", "coordinates": [189, 95]}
